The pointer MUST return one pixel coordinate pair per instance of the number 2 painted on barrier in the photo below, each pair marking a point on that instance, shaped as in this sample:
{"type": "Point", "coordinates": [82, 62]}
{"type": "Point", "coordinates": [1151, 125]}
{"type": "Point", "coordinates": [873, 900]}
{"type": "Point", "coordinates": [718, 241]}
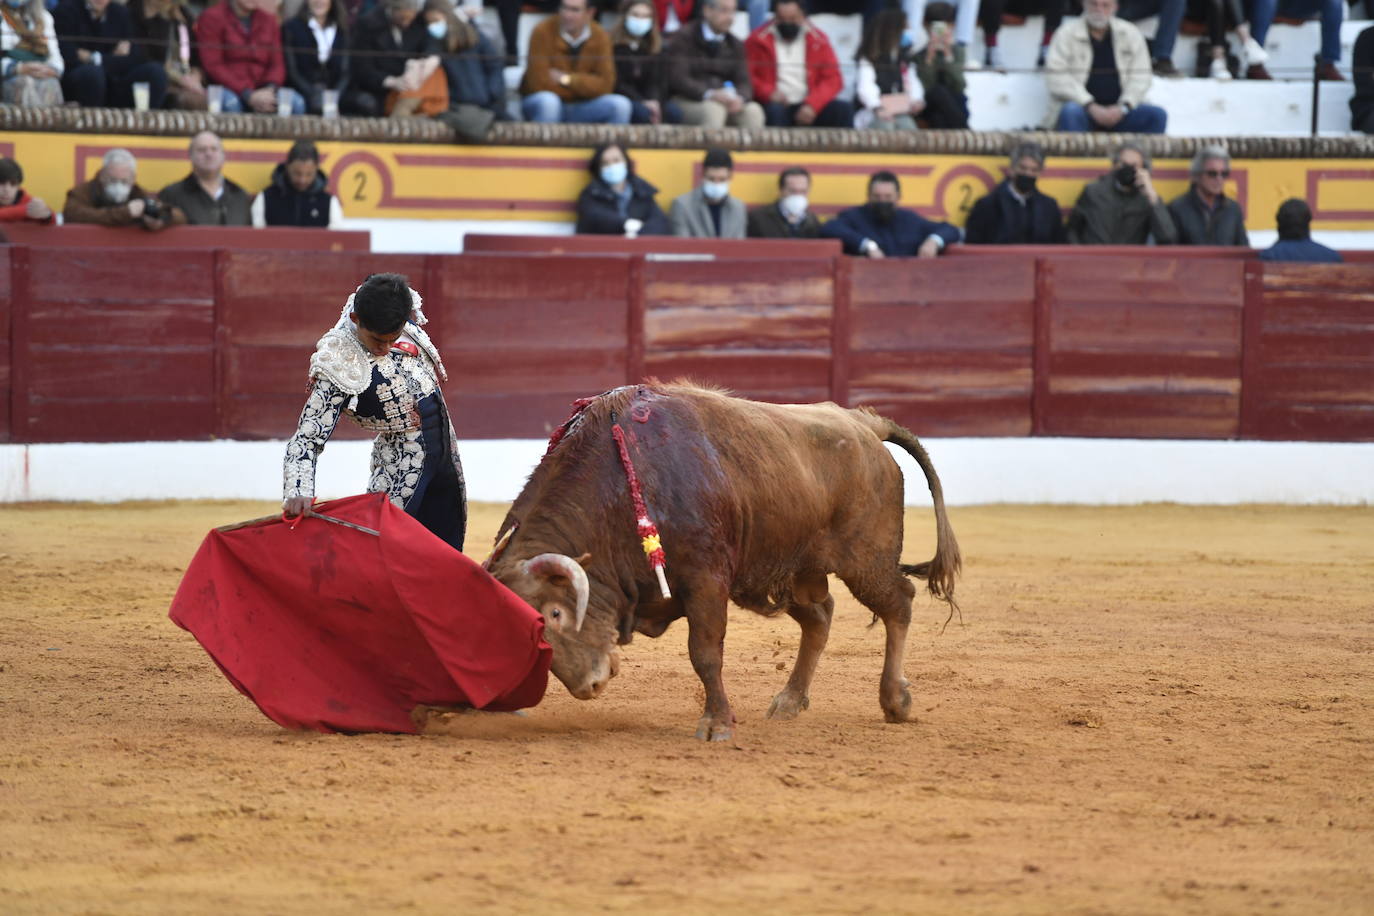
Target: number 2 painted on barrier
{"type": "Point", "coordinates": [360, 185]}
{"type": "Point", "coordinates": [965, 197]}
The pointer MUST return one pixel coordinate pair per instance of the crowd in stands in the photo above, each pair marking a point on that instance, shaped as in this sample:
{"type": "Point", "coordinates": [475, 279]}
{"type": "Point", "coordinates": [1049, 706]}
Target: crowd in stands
{"type": "Point", "coordinates": [662, 62]}
{"type": "Point", "coordinates": [1121, 207]}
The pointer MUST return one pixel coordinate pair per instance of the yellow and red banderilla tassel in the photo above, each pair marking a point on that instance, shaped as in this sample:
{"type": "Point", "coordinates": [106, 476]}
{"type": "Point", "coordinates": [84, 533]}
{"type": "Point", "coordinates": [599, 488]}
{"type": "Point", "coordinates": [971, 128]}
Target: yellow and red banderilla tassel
{"type": "Point", "coordinates": [648, 532]}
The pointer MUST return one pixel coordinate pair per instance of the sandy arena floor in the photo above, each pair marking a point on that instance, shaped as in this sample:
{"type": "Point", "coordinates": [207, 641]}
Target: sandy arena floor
{"type": "Point", "coordinates": [1159, 709]}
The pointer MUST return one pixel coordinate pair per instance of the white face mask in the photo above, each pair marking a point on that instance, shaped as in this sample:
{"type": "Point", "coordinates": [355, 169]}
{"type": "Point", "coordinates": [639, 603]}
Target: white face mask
{"type": "Point", "coordinates": [794, 206]}
{"type": "Point", "coordinates": [118, 191]}
{"type": "Point", "coordinates": [638, 26]}
{"type": "Point", "coordinates": [715, 190]}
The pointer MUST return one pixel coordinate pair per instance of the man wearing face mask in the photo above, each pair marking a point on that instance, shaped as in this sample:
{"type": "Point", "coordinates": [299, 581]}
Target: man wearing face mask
{"type": "Point", "coordinates": [1098, 72]}
{"type": "Point", "coordinates": [113, 198]}
{"type": "Point", "coordinates": [790, 216]}
{"type": "Point", "coordinates": [880, 229]}
{"type": "Point", "coordinates": [795, 74]}
{"type": "Point", "coordinates": [1015, 213]}
{"type": "Point", "coordinates": [1122, 207]}
{"type": "Point", "coordinates": [708, 211]}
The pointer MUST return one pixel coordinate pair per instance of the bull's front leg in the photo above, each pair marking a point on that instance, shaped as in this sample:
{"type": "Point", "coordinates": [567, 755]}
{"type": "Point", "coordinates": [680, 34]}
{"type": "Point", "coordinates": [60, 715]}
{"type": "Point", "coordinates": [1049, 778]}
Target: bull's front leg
{"type": "Point", "coordinates": [706, 616]}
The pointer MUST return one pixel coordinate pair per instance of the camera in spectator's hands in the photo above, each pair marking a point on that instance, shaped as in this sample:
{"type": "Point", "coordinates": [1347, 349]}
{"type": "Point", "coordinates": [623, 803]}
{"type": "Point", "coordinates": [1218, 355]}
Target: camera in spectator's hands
{"type": "Point", "coordinates": [152, 208]}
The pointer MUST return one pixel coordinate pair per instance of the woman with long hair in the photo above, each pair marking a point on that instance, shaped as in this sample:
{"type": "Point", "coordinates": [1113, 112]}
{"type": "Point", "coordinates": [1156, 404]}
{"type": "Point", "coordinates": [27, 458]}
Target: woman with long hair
{"type": "Point", "coordinates": [164, 29]}
{"type": "Point", "coordinates": [472, 67]}
{"type": "Point", "coordinates": [639, 72]}
{"type": "Point", "coordinates": [315, 44]}
{"type": "Point", "coordinates": [888, 90]}
{"type": "Point", "coordinates": [30, 61]}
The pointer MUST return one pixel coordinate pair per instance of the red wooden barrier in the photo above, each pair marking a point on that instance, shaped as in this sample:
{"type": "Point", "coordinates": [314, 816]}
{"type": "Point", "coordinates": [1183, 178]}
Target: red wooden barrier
{"type": "Point", "coordinates": [1173, 252]}
{"type": "Point", "coordinates": [6, 310]}
{"type": "Point", "coordinates": [651, 244]}
{"type": "Point", "coordinates": [1309, 352]}
{"type": "Point", "coordinates": [80, 235]}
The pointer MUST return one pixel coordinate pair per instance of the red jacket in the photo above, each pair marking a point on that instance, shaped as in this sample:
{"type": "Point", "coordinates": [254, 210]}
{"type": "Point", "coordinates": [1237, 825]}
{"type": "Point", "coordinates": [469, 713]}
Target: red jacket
{"type": "Point", "coordinates": [16, 212]}
{"type": "Point", "coordinates": [236, 59]}
{"type": "Point", "coordinates": [823, 78]}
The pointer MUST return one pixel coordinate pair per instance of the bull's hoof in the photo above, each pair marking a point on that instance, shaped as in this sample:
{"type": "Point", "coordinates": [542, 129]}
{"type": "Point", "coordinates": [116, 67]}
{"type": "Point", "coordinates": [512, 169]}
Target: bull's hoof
{"type": "Point", "coordinates": [788, 704]}
{"type": "Point", "coordinates": [708, 729]}
{"type": "Point", "coordinates": [896, 703]}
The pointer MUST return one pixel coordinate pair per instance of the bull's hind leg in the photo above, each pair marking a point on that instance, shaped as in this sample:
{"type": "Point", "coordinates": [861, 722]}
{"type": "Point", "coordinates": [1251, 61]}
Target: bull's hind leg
{"type": "Point", "coordinates": [706, 616]}
{"type": "Point", "coordinates": [814, 618]}
{"type": "Point", "coordinates": [889, 597]}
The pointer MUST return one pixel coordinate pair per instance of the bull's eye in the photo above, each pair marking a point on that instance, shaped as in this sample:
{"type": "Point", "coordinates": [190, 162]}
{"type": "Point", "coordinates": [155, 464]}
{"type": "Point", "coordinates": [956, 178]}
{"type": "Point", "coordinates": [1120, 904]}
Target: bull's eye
{"type": "Point", "coordinates": [556, 613]}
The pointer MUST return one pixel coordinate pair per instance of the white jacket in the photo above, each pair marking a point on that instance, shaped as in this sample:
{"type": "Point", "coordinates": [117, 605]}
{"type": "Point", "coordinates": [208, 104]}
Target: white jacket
{"type": "Point", "coordinates": [9, 38]}
{"type": "Point", "coordinates": [866, 90]}
{"type": "Point", "coordinates": [1071, 58]}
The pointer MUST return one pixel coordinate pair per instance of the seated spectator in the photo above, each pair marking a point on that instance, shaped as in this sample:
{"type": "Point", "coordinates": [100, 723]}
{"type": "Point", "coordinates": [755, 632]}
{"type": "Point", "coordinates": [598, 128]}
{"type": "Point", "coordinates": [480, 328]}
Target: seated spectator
{"type": "Point", "coordinates": [1332, 13]}
{"type": "Point", "coordinates": [1204, 215]}
{"type": "Point", "coordinates": [1098, 73]}
{"type": "Point", "coordinates": [299, 193]}
{"type": "Point", "coordinates": [162, 28]}
{"type": "Point", "coordinates": [990, 18]}
{"type": "Point", "coordinates": [708, 211]}
{"type": "Point", "coordinates": [16, 204]}
{"type": "Point", "coordinates": [888, 88]}
{"type": "Point", "coordinates": [315, 46]}
{"type": "Point", "coordinates": [1169, 14]}
{"type": "Point", "coordinates": [472, 71]}
{"type": "Point", "coordinates": [385, 39]}
{"type": "Point", "coordinates": [790, 216]}
{"type": "Point", "coordinates": [508, 11]}
{"type": "Point", "coordinates": [639, 73]}
{"type": "Point", "coordinates": [880, 229]}
{"type": "Point", "coordinates": [1362, 74]}
{"type": "Point", "coordinates": [940, 68]}
{"type": "Point", "coordinates": [205, 196]}
{"type": "Point", "coordinates": [617, 201]}
{"type": "Point", "coordinates": [101, 60]}
{"type": "Point", "coordinates": [1295, 237]}
{"type": "Point", "coordinates": [240, 49]}
{"type": "Point", "coordinates": [674, 15]}
{"type": "Point", "coordinates": [1015, 213]}
{"type": "Point", "coordinates": [571, 71]}
{"type": "Point", "coordinates": [114, 198]}
{"type": "Point", "coordinates": [962, 18]}
{"type": "Point", "coordinates": [793, 69]}
{"type": "Point", "coordinates": [1122, 207]}
{"type": "Point", "coordinates": [30, 59]}
{"type": "Point", "coordinates": [423, 92]}
{"type": "Point", "coordinates": [708, 74]}
{"type": "Point", "coordinates": [1213, 54]}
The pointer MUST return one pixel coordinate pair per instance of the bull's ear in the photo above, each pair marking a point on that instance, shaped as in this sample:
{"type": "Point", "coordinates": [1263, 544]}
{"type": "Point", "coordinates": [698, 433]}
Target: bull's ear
{"type": "Point", "coordinates": [584, 560]}
{"type": "Point", "coordinates": [626, 628]}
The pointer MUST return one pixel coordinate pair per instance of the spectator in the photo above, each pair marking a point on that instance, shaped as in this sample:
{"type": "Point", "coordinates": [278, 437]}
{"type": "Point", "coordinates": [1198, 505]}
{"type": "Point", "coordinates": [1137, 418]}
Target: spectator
{"type": "Point", "coordinates": [940, 68]}
{"type": "Point", "coordinates": [674, 15]}
{"type": "Point", "coordinates": [1362, 74]}
{"type": "Point", "coordinates": [299, 193]}
{"type": "Point", "coordinates": [889, 90]}
{"type": "Point", "coordinates": [793, 69]}
{"type": "Point", "coordinates": [790, 216]}
{"type": "Point", "coordinates": [385, 39]}
{"type": "Point", "coordinates": [1295, 237]}
{"type": "Point", "coordinates": [708, 211]}
{"type": "Point", "coordinates": [114, 198]}
{"type": "Point", "coordinates": [1169, 16]}
{"type": "Point", "coordinates": [571, 71]}
{"type": "Point", "coordinates": [708, 74]}
{"type": "Point", "coordinates": [880, 229]}
{"type": "Point", "coordinates": [162, 28]}
{"type": "Point", "coordinates": [1015, 213]}
{"type": "Point", "coordinates": [30, 59]}
{"type": "Point", "coordinates": [315, 44]}
{"type": "Point", "coordinates": [240, 49]}
{"type": "Point", "coordinates": [508, 11]}
{"type": "Point", "coordinates": [101, 60]}
{"type": "Point", "coordinates": [990, 17]}
{"type": "Point", "coordinates": [472, 68]}
{"type": "Point", "coordinates": [639, 74]}
{"type": "Point", "coordinates": [1212, 54]}
{"type": "Point", "coordinates": [1122, 207]}
{"type": "Point", "coordinates": [960, 15]}
{"type": "Point", "coordinates": [423, 90]}
{"type": "Point", "coordinates": [617, 201]}
{"type": "Point", "coordinates": [1332, 12]}
{"type": "Point", "coordinates": [1204, 215]}
{"type": "Point", "coordinates": [1098, 74]}
{"type": "Point", "coordinates": [16, 204]}
{"type": "Point", "coordinates": [205, 196]}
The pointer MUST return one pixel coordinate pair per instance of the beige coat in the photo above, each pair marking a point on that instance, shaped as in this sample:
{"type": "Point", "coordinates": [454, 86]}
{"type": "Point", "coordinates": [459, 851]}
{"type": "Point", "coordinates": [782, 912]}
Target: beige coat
{"type": "Point", "coordinates": [1071, 57]}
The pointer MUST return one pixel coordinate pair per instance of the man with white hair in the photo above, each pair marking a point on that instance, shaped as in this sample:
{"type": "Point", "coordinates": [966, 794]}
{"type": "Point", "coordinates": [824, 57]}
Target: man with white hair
{"type": "Point", "coordinates": [113, 198]}
{"type": "Point", "coordinates": [1205, 215]}
{"type": "Point", "coordinates": [1098, 72]}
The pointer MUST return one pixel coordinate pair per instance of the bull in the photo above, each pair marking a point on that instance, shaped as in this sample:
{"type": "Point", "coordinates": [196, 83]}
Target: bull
{"type": "Point", "coordinates": [757, 504]}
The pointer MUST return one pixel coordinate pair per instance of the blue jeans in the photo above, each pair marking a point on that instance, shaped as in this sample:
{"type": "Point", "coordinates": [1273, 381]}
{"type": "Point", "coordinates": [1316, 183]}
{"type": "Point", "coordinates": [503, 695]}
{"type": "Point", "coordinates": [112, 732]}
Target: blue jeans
{"type": "Point", "coordinates": [546, 107]}
{"type": "Point", "coordinates": [1143, 119]}
{"type": "Point", "coordinates": [236, 104]}
{"type": "Point", "coordinates": [1170, 13]}
{"type": "Point", "coordinates": [1331, 12]}
{"type": "Point", "coordinates": [639, 113]}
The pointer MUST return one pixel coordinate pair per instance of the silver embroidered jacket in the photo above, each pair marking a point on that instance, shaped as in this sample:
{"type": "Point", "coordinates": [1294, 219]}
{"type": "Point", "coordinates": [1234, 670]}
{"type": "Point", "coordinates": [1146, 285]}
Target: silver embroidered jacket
{"type": "Point", "coordinates": [340, 370]}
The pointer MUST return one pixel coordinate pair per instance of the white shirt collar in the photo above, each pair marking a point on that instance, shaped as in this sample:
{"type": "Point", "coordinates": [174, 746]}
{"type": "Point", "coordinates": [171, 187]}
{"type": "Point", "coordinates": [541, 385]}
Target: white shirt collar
{"type": "Point", "coordinates": [576, 40]}
{"type": "Point", "coordinates": [709, 33]}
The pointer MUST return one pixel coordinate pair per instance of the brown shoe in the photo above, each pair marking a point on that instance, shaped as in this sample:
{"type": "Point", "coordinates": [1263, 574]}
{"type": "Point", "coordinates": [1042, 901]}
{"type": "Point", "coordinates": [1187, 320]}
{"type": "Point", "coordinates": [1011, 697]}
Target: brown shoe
{"type": "Point", "coordinates": [1165, 67]}
{"type": "Point", "coordinates": [1257, 72]}
{"type": "Point", "coordinates": [1327, 72]}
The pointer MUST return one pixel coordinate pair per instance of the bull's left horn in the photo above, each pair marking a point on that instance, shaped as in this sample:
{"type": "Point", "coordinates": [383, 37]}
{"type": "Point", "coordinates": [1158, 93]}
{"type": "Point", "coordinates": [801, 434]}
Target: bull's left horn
{"type": "Point", "coordinates": [556, 564]}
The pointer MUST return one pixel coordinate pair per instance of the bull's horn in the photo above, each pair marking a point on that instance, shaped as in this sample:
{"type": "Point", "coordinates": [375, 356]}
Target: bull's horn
{"type": "Point", "coordinates": [556, 564]}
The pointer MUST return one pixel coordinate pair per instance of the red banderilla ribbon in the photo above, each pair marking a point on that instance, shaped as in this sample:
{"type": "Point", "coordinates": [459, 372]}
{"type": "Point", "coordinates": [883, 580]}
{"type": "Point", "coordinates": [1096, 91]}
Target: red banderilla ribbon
{"type": "Point", "coordinates": [648, 531]}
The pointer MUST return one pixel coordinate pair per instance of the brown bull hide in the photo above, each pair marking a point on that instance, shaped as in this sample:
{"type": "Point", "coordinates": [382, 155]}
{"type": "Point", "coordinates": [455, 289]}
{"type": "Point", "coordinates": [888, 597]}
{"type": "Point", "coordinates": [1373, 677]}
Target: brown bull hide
{"type": "Point", "coordinates": [757, 504]}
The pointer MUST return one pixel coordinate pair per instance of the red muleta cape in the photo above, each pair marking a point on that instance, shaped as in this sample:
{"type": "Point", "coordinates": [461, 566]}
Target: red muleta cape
{"type": "Point", "coordinates": [329, 628]}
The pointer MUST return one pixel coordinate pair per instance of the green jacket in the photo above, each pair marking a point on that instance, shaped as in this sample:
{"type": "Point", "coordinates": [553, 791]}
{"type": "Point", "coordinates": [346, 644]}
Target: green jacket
{"type": "Point", "coordinates": [1106, 215]}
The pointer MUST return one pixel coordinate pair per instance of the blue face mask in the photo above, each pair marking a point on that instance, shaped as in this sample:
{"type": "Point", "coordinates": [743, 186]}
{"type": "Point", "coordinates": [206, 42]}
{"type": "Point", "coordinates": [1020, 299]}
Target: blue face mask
{"type": "Point", "coordinates": [638, 26]}
{"type": "Point", "coordinates": [438, 29]}
{"type": "Point", "coordinates": [614, 173]}
{"type": "Point", "coordinates": [906, 41]}
{"type": "Point", "coordinates": [715, 190]}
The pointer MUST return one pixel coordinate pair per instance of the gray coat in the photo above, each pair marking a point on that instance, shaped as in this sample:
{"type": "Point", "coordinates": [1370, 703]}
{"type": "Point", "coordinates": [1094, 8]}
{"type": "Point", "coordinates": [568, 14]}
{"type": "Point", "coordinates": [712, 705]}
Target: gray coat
{"type": "Point", "coordinates": [1223, 225]}
{"type": "Point", "coordinates": [691, 217]}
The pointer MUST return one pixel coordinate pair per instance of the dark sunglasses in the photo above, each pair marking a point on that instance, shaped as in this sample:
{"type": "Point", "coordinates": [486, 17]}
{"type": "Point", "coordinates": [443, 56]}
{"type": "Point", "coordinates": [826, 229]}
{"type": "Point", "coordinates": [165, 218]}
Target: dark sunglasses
{"type": "Point", "coordinates": [1213, 173]}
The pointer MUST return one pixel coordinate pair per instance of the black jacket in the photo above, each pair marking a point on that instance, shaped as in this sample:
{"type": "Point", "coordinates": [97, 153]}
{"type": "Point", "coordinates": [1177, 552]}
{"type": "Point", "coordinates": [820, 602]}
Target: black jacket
{"type": "Point", "coordinates": [597, 213]}
{"type": "Point", "coordinates": [380, 56]}
{"type": "Point", "coordinates": [901, 238]}
{"type": "Point", "coordinates": [78, 31]}
{"type": "Point", "coordinates": [1362, 75]}
{"type": "Point", "coordinates": [1224, 225]}
{"type": "Point", "coordinates": [304, 72]}
{"type": "Point", "coordinates": [1000, 218]}
{"type": "Point", "coordinates": [767, 222]}
{"type": "Point", "coordinates": [639, 76]}
{"type": "Point", "coordinates": [283, 205]}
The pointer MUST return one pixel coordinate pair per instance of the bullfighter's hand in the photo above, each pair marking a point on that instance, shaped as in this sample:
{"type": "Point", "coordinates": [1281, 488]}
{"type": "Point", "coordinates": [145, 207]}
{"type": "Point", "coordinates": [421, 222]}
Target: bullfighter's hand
{"type": "Point", "coordinates": [296, 506]}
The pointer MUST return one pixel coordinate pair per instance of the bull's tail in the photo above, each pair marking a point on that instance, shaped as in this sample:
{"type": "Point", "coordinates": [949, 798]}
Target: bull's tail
{"type": "Point", "coordinates": [941, 570]}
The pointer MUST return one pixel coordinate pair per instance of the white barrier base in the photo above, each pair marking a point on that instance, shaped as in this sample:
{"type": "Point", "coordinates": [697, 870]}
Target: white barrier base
{"type": "Point", "coordinates": [973, 471]}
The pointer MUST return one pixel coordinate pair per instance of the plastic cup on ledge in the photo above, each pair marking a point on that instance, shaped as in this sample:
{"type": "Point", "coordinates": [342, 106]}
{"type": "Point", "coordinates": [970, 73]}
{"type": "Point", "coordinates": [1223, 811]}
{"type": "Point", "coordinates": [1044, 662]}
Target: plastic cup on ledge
{"type": "Point", "coordinates": [214, 99]}
{"type": "Point", "coordinates": [285, 99]}
{"type": "Point", "coordinates": [140, 96]}
{"type": "Point", "coordinates": [330, 103]}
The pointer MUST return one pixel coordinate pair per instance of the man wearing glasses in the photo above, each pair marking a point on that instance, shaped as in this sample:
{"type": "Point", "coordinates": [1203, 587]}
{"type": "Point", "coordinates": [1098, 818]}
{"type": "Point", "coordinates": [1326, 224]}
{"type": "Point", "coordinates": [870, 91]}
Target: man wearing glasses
{"type": "Point", "coordinates": [571, 70]}
{"type": "Point", "coordinates": [1205, 215]}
